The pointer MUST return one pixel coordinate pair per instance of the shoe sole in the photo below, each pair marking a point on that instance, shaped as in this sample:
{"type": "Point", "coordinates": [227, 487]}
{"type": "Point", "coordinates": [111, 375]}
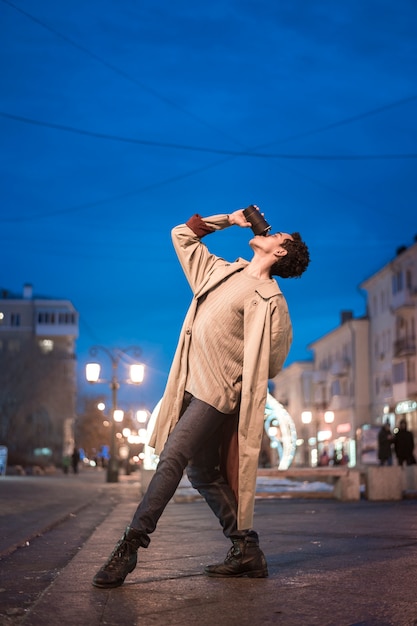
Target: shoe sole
{"type": "Point", "coordinates": [109, 586]}
{"type": "Point", "coordinates": [119, 583]}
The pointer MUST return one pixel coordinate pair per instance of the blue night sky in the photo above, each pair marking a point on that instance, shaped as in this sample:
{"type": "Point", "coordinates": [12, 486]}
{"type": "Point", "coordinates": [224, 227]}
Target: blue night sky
{"type": "Point", "coordinates": [121, 118]}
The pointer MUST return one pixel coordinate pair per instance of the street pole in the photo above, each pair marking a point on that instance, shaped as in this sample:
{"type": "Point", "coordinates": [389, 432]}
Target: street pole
{"type": "Point", "coordinates": [136, 377]}
{"type": "Point", "coordinates": [113, 466]}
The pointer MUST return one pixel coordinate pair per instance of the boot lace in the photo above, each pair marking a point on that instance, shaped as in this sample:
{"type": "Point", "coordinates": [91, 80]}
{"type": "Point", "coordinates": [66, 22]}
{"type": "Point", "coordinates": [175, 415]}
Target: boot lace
{"type": "Point", "coordinates": [234, 552]}
{"type": "Point", "coordinates": [118, 557]}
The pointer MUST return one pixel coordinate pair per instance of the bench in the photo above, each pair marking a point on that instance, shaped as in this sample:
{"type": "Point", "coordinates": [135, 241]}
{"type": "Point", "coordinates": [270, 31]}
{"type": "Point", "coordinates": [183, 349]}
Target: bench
{"type": "Point", "coordinates": [345, 480]}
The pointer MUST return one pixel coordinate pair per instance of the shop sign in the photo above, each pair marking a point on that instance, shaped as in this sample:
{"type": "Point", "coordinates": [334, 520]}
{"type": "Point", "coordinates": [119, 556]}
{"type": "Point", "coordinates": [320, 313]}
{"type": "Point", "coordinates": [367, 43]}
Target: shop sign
{"type": "Point", "coordinates": [406, 406]}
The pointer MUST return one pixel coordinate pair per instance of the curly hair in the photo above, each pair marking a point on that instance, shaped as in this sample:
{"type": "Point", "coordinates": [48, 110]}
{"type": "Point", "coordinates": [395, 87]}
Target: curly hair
{"type": "Point", "coordinates": [295, 262]}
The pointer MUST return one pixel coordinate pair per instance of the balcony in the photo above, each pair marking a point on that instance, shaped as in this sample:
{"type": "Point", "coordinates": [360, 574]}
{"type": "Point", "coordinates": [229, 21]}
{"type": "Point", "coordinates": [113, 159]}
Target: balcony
{"type": "Point", "coordinates": [406, 298]}
{"type": "Point", "coordinates": [340, 367]}
{"type": "Point", "coordinates": [404, 347]}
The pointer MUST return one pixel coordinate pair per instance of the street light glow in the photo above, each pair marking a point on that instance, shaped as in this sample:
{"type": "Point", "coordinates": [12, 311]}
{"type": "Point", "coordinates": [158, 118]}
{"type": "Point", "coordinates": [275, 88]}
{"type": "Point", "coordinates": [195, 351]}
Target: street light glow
{"type": "Point", "coordinates": [141, 416]}
{"type": "Point", "coordinates": [137, 373]}
{"type": "Point", "coordinates": [306, 417]}
{"type": "Point", "coordinates": [92, 372]}
{"type": "Point", "coordinates": [329, 417]}
{"type": "Point", "coordinates": [118, 415]}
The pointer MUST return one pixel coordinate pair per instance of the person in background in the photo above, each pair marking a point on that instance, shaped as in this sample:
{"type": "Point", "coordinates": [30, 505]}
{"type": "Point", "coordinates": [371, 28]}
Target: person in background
{"type": "Point", "coordinates": [66, 462]}
{"type": "Point", "coordinates": [385, 441]}
{"type": "Point", "coordinates": [324, 459]}
{"type": "Point", "coordinates": [236, 335]}
{"type": "Point", "coordinates": [75, 459]}
{"type": "Point", "coordinates": [404, 445]}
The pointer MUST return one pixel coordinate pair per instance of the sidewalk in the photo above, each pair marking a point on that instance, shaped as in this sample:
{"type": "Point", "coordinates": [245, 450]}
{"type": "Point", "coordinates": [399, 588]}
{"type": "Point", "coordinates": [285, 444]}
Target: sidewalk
{"type": "Point", "coordinates": [330, 563]}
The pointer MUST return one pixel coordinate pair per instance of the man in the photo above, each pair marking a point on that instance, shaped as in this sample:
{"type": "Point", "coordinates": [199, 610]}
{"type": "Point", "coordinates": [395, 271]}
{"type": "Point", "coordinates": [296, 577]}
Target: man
{"type": "Point", "coordinates": [404, 445]}
{"type": "Point", "coordinates": [385, 441]}
{"type": "Point", "coordinates": [236, 335]}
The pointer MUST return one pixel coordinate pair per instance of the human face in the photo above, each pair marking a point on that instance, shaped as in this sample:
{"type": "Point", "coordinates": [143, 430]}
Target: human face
{"type": "Point", "coordinates": [279, 238]}
{"type": "Point", "coordinates": [271, 243]}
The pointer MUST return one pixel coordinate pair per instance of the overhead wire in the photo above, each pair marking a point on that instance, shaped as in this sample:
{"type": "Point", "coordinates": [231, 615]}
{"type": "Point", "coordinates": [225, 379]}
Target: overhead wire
{"type": "Point", "coordinates": [119, 71]}
{"type": "Point", "coordinates": [222, 151]}
{"type": "Point", "coordinates": [228, 154]}
{"type": "Point", "coordinates": [169, 101]}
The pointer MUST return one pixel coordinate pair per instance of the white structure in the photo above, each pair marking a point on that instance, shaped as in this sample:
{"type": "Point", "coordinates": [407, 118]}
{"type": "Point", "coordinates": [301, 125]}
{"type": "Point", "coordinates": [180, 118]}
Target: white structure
{"type": "Point", "coordinates": [362, 373]}
{"type": "Point", "coordinates": [341, 385]}
{"type": "Point", "coordinates": [329, 397]}
{"type": "Point", "coordinates": [279, 427]}
{"type": "Point", "coordinates": [392, 311]}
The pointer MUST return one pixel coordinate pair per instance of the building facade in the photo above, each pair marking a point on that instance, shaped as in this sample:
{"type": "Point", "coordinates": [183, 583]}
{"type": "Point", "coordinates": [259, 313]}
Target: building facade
{"type": "Point", "coordinates": [37, 377]}
{"type": "Point", "coordinates": [329, 397]}
{"type": "Point", "coordinates": [392, 312]}
{"type": "Point", "coordinates": [362, 373]}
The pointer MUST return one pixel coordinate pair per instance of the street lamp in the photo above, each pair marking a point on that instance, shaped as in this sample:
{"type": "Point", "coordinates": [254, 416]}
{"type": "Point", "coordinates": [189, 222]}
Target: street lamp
{"type": "Point", "coordinates": [137, 371]}
{"type": "Point", "coordinates": [307, 418]}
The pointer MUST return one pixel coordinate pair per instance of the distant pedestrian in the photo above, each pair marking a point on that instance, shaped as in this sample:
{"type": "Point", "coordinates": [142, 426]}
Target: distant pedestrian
{"type": "Point", "coordinates": [66, 461]}
{"type": "Point", "coordinates": [404, 445]}
{"type": "Point", "coordinates": [75, 459]}
{"type": "Point", "coordinates": [385, 441]}
{"type": "Point", "coordinates": [324, 459]}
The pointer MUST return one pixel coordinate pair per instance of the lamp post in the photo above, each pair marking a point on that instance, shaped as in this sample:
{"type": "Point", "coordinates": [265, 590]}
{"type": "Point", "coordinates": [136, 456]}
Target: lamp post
{"type": "Point", "coordinates": [307, 418]}
{"type": "Point", "coordinates": [137, 371]}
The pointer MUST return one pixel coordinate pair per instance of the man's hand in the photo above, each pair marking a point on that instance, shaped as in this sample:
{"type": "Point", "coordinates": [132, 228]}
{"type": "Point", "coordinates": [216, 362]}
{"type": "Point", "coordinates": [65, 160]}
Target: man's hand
{"type": "Point", "coordinates": [238, 219]}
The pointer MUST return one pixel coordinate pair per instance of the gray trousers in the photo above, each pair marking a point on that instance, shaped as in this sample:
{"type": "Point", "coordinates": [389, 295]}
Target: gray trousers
{"type": "Point", "coordinates": [194, 445]}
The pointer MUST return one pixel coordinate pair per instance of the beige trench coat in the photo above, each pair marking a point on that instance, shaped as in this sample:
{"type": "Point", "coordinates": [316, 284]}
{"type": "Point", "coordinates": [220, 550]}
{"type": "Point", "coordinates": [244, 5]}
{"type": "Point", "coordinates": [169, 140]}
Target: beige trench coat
{"type": "Point", "coordinates": [267, 340]}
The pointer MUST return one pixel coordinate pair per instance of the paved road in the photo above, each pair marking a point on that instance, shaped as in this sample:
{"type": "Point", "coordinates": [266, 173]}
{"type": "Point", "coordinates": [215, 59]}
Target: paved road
{"type": "Point", "coordinates": [32, 505]}
{"type": "Point", "coordinates": [330, 563]}
{"type": "Point", "coordinates": [44, 522]}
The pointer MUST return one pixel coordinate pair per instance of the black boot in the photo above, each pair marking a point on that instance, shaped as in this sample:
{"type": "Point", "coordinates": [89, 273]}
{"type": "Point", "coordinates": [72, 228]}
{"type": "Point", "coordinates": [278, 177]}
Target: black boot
{"type": "Point", "coordinates": [245, 558]}
{"type": "Point", "coordinates": [121, 562]}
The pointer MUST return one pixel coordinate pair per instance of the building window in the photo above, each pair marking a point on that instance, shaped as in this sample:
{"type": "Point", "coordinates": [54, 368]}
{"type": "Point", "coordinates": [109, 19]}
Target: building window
{"type": "Point", "coordinates": [374, 306]}
{"type": "Point", "coordinates": [46, 318]}
{"type": "Point", "coordinates": [411, 371]}
{"type": "Point", "coordinates": [397, 282]}
{"type": "Point", "coordinates": [15, 319]}
{"type": "Point", "coordinates": [409, 280]}
{"type": "Point", "coordinates": [66, 318]}
{"type": "Point", "coordinates": [335, 388]}
{"type": "Point", "coordinates": [398, 372]}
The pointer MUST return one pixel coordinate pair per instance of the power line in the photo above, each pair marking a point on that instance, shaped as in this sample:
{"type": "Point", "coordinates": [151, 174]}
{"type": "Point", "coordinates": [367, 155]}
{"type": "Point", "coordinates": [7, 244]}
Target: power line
{"type": "Point", "coordinates": [172, 103]}
{"type": "Point", "coordinates": [344, 122]}
{"type": "Point", "coordinates": [228, 155]}
{"type": "Point", "coordinates": [177, 146]}
{"type": "Point", "coordinates": [120, 72]}
{"type": "Point", "coordinates": [122, 196]}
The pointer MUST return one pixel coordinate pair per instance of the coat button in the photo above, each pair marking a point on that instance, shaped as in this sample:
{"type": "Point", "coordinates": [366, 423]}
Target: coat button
{"type": "Point", "coordinates": [188, 331]}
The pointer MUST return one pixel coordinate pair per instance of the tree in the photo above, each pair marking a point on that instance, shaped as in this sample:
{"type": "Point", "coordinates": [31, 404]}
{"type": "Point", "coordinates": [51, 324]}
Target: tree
{"type": "Point", "coordinates": [92, 428]}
